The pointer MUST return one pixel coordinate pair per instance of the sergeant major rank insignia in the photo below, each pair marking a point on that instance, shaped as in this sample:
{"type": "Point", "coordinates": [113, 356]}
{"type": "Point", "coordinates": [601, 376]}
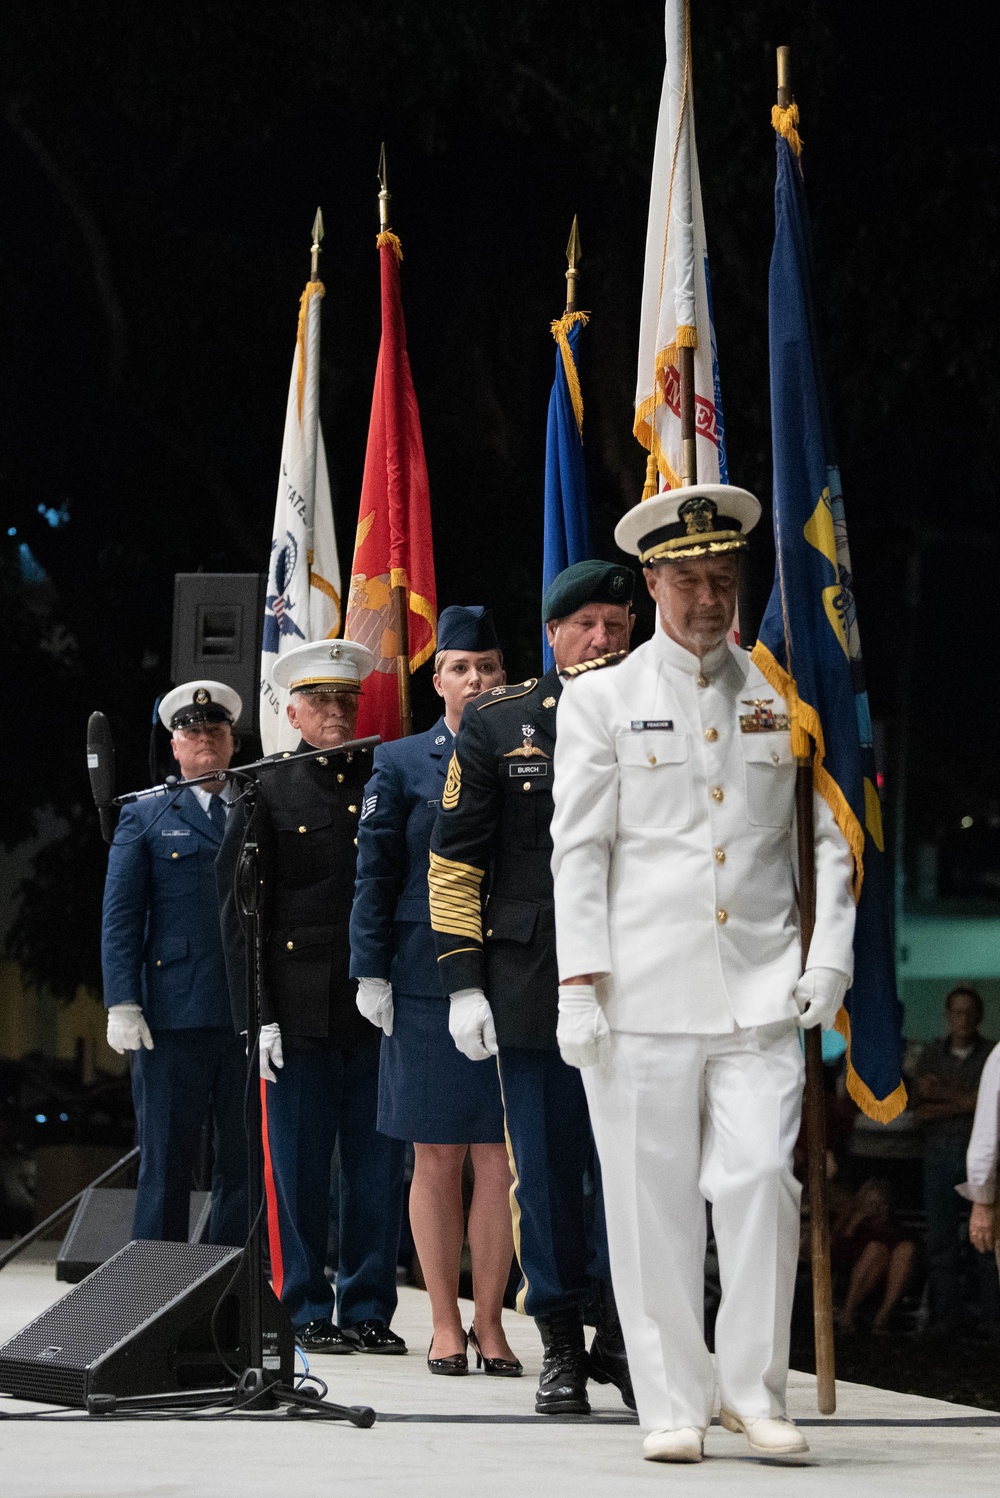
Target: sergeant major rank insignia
{"type": "Point", "coordinates": [452, 785]}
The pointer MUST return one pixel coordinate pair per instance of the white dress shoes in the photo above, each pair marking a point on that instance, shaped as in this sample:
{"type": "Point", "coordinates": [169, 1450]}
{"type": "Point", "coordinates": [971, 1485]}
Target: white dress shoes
{"type": "Point", "coordinates": [684, 1445]}
{"type": "Point", "coordinates": [767, 1437]}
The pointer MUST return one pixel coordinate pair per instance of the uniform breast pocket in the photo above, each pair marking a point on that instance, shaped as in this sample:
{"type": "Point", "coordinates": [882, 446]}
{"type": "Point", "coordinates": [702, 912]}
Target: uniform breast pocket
{"type": "Point", "coordinates": [175, 866]}
{"type": "Point", "coordinates": [769, 771]}
{"type": "Point", "coordinates": [654, 780]}
{"type": "Point", "coordinates": [305, 847]}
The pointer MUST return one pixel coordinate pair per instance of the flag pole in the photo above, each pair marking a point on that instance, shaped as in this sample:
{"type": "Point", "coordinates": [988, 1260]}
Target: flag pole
{"type": "Point", "coordinates": [317, 234]}
{"type": "Point", "coordinates": [573, 258]}
{"type": "Point", "coordinates": [400, 600]}
{"type": "Point", "coordinates": [815, 1101]}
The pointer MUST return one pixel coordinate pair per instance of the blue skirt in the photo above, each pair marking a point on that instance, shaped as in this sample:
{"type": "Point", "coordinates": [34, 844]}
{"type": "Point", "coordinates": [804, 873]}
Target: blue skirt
{"type": "Point", "coordinates": [428, 1092]}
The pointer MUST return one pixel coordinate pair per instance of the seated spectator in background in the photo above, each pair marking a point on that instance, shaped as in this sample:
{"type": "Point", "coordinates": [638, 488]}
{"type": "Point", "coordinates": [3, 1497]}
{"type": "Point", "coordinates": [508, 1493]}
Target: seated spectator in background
{"type": "Point", "coordinates": [867, 1243]}
{"type": "Point", "coordinates": [946, 1081]}
{"type": "Point", "coordinates": [980, 1186]}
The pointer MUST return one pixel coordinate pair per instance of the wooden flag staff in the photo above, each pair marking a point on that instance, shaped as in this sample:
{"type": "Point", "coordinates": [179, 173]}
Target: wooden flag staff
{"type": "Point", "coordinates": [814, 1106]}
{"type": "Point", "coordinates": [398, 581]}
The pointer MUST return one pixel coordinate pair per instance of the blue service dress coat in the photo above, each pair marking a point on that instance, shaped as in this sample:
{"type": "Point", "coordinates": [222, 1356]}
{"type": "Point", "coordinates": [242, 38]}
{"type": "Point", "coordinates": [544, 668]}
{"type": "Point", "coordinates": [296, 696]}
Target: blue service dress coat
{"type": "Point", "coordinates": [428, 1091]}
{"type": "Point", "coordinates": [161, 947]}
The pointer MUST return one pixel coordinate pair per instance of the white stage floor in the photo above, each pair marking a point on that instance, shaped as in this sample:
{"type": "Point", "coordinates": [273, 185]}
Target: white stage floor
{"type": "Point", "coordinates": [441, 1437]}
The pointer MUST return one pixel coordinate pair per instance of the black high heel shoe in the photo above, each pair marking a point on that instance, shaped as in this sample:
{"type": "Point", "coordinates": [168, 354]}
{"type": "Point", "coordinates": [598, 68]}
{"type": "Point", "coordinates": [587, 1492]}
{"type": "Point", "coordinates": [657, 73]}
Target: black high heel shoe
{"type": "Point", "coordinates": [450, 1367]}
{"type": "Point", "coordinates": [493, 1367]}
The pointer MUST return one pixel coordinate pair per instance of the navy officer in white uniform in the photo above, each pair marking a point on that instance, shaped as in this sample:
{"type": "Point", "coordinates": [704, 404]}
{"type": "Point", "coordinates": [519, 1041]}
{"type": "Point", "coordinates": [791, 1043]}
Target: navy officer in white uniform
{"type": "Point", "coordinates": [674, 856]}
{"type": "Point", "coordinates": [165, 976]}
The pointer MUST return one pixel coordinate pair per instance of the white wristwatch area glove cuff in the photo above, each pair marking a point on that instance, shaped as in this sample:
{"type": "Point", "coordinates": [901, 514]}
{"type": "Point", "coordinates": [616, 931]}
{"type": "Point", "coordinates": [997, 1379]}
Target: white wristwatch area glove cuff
{"type": "Point", "coordinates": [127, 1028]}
{"type": "Point", "coordinates": [374, 1001]}
{"type": "Point", "coordinates": [582, 1032]}
{"type": "Point", "coordinates": [270, 1053]}
{"type": "Point", "coordinates": [470, 1023]}
{"type": "Point", "coordinates": [818, 996]}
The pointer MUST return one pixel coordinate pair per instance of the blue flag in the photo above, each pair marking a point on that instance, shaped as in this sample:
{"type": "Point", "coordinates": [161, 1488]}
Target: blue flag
{"type": "Point", "coordinates": [809, 648]}
{"type": "Point", "coordinates": [567, 532]}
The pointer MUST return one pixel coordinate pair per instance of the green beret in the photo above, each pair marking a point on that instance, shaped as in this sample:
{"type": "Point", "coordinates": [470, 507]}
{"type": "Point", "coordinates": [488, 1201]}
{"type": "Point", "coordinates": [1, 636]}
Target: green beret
{"type": "Point", "coordinates": [587, 582]}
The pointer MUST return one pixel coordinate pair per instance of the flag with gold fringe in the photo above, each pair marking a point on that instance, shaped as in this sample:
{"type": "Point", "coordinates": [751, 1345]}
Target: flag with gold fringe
{"type": "Point", "coordinates": [809, 647]}
{"type": "Point", "coordinates": [302, 601]}
{"type": "Point", "coordinates": [676, 289]}
{"type": "Point", "coordinates": [567, 527]}
{"type": "Point", "coordinates": [393, 546]}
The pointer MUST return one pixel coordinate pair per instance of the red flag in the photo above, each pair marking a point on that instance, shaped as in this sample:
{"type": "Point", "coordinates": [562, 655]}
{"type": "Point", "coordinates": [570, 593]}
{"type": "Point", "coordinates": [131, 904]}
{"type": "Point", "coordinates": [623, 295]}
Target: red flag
{"type": "Point", "coordinates": [393, 546]}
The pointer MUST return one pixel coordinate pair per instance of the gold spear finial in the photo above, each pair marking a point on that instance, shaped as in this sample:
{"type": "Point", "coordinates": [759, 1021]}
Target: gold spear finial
{"type": "Point", "coordinates": [317, 234]}
{"type": "Point", "coordinates": [384, 196]}
{"type": "Point", "coordinates": [573, 258]}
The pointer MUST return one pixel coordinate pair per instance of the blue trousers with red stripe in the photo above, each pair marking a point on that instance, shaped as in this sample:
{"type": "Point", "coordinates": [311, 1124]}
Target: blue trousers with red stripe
{"type": "Point", "coordinates": [328, 1094]}
{"type": "Point", "coordinates": [559, 1230]}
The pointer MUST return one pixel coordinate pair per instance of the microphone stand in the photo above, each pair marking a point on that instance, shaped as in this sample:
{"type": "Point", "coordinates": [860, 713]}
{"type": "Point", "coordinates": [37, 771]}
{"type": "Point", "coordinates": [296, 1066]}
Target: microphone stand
{"type": "Point", "coordinates": [257, 1387]}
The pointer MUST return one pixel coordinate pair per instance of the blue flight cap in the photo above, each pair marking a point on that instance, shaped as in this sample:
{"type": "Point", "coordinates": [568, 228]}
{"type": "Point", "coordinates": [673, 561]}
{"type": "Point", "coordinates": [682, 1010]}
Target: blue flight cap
{"type": "Point", "coordinates": [587, 582]}
{"type": "Point", "coordinates": [466, 628]}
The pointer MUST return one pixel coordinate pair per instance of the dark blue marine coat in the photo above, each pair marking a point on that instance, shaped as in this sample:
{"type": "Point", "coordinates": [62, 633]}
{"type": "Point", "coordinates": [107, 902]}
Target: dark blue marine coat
{"type": "Point", "coordinates": [390, 921]}
{"type": "Point", "coordinates": [161, 944]}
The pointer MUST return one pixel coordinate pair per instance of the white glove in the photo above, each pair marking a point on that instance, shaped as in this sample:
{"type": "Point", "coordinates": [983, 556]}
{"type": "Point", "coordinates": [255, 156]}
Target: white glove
{"type": "Point", "coordinates": [127, 1028]}
{"type": "Point", "coordinates": [583, 1034]}
{"type": "Point", "coordinates": [270, 1051]}
{"type": "Point", "coordinates": [374, 1001]}
{"type": "Point", "coordinates": [470, 1022]}
{"type": "Point", "coordinates": [818, 996]}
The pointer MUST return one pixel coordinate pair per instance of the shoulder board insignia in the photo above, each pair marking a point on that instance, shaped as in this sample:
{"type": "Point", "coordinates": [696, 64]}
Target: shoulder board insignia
{"type": "Point", "coordinates": [506, 694]}
{"type": "Point", "coordinates": [614, 659]}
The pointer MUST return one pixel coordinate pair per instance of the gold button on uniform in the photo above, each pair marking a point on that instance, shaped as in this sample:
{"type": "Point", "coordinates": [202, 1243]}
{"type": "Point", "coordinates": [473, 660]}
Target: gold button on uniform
{"type": "Point", "coordinates": [352, 808]}
{"type": "Point", "coordinates": [340, 779]}
{"type": "Point", "coordinates": [703, 680]}
{"type": "Point", "coordinates": [720, 855]}
{"type": "Point", "coordinates": [526, 786]}
{"type": "Point", "coordinates": [718, 793]}
{"type": "Point", "coordinates": [490, 932]}
{"type": "Point", "coordinates": [711, 734]}
{"type": "Point", "coordinates": [175, 855]}
{"type": "Point", "coordinates": [290, 945]}
{"type": "Point", "coordinates": [722, 916]}
{"type": "Point", "coordinates": [302, 829]}
{"type": "Point", "coordinates": [158, 962]}
{"type": "Point", "coordinates": [652, 759]}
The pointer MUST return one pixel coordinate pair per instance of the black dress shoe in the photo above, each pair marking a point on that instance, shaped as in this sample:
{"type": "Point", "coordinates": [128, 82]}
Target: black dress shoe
{"type": "Point", "coordinates": [322, 1336]}
{"type": "Point", "coordinates": [562, 1386]}
{"type": "Point", "coordinates": [608, 1360]}
{"type": "Point", "coordinates": [373, 1336]}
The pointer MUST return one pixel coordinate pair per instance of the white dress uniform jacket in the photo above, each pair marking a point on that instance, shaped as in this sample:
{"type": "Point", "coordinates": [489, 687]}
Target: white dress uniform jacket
{"type": "Point", "coordinates": [674, 844]}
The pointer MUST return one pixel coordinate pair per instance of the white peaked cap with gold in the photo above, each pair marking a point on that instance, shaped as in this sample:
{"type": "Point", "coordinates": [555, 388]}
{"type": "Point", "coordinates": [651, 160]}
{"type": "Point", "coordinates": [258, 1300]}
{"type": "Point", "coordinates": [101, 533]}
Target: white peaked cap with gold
{"type": "Point", "coordinates": [323, 666]}
{"type": "Point", "coordinates": [699, 520]}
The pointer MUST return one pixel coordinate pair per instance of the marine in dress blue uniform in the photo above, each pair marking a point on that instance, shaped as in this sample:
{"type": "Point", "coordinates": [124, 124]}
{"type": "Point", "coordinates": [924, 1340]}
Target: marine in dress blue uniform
{"type": "Point", "coordinates": [166, 992]}
{"type": "Point", "coordinates": [428, 1091]}
{"type": "Point", "coordinates": [319, 1058]}
{"type": "Point", "coordinates": [491, 908]}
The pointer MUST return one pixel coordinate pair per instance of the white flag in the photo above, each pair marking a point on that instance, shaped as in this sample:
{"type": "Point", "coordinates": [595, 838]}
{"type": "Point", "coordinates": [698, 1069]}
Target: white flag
{"type": "Point", "coordinates": [303, 579]}
{"type": "Point", "coordinates": [676, 292]}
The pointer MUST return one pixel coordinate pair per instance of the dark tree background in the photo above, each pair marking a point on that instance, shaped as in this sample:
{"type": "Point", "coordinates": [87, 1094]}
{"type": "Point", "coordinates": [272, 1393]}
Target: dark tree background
{"type": "Point", "coordinates": [161, 169]}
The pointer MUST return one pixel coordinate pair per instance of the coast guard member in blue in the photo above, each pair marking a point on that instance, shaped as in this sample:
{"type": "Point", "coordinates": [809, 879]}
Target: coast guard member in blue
{"type": "Point", "coordinates": [165, 977]}
{"type": "Point", "coordinates": [428, 1091]}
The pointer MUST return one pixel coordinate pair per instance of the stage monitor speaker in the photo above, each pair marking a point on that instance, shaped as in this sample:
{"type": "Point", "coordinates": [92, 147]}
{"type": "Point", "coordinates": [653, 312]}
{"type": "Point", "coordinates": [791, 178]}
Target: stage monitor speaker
{"type": "Point", "coordinates": [102, 1224]}
{"type": "Point", "coordinates": [141, 1324]}
{"type": "Point", "coordinates": [218, 622]}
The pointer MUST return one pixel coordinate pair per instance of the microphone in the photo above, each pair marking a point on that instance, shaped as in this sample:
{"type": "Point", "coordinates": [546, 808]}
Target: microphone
{"type": "Point", "coordinates": [101, 769]}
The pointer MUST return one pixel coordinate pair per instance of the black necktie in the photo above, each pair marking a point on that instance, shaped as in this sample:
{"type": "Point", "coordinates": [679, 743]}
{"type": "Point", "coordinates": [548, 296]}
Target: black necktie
{"type": "Point", "coordinates": [217, 813]}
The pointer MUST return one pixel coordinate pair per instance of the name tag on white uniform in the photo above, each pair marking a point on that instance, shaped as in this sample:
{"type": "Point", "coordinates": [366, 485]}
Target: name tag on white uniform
{"type": "Point", "coordinates": [641, 725]}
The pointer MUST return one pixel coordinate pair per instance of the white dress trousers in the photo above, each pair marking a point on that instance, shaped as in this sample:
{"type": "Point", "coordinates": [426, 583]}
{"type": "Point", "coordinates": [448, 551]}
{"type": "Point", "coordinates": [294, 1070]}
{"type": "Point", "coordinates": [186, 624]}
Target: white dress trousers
{"type": "Point", "coordinates": [680, 1120]}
